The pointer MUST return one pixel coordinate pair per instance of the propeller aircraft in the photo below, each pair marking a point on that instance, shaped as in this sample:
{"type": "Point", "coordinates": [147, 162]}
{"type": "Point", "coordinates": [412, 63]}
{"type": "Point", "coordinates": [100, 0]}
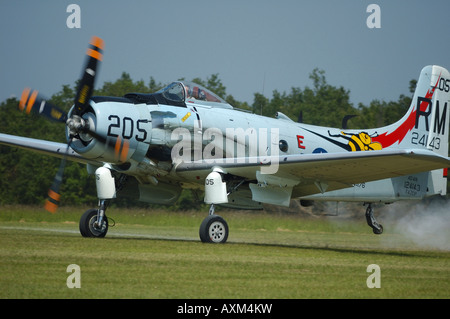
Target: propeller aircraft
{"type": "Point", "coordinates": [186, 137]}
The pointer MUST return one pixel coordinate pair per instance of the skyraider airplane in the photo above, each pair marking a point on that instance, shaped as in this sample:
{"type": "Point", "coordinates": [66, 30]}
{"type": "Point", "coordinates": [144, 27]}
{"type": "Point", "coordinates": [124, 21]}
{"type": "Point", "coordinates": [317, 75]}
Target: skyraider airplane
{"type": "Point", "coordinates": [185, 136]}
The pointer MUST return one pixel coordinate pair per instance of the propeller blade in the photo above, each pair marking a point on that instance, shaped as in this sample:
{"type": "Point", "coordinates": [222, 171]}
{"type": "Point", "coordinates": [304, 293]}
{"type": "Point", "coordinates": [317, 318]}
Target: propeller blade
{"type": "Point", "coordinates": [30, 101]}
{"type": "Point", "coordinates": [121, 148]}
{"type": "Point", "coordinates": [33, 102]}
{"type": "Point", "coordinates": [94, 56]}
{"type": "Point", "coordinates": [52, 202]}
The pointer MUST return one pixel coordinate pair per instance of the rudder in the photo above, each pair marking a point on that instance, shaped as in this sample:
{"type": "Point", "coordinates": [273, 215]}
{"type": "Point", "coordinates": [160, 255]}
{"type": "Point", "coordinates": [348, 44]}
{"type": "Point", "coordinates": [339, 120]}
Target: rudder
{"type": "Point", "coordinates": [438, 133]}
{"type": "Point", "coordinates": [426, 124]}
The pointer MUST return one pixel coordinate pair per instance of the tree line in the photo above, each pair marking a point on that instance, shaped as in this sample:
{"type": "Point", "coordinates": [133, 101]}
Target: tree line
{"type": "Point", "coordinates": [25, 176]}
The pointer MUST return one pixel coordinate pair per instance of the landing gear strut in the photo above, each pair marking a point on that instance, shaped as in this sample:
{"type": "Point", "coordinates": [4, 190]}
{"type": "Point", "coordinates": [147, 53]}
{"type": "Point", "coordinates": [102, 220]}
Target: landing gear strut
{"type": "Point", "coordinates": [372, 222]}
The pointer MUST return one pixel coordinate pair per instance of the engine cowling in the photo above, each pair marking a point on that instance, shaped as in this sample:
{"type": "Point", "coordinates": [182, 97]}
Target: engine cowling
{"type": "Point", "coordinates": [125, 126]}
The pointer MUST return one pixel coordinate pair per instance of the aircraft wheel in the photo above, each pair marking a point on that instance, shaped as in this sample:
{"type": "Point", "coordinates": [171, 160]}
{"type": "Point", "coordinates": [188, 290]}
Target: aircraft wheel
{"type": "Point", "coordinates": [88, 227]}
{"type": "Point", "coordinates": [214, 229]}
{"type": "Point", "coordinates": [378, 231]}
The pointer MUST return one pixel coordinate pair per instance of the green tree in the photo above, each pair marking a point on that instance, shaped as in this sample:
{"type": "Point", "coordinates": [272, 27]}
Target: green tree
{"type": "Point", "coordinates": [125, 85]}
{"type": "Point", "coordinates": [260, 103]}
{"type": "Point", "coordinates": [323, 104]}
{"type": "Point", "coordinates": [381, 113]}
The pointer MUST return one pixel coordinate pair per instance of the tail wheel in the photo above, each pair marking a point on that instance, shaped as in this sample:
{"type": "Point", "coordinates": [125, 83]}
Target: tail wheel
{"type": "Point", "coordinates": [214, 229]}
{"type": "Point", "coordinates": [89, 226]}
{"type": "Point", "coordinates": [379, 230]}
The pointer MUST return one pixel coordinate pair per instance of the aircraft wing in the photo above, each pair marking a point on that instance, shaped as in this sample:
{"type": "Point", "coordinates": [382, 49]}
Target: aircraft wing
{"type": "Point", "coordinates": [314, 173]}
{"type": "Point", "coordinates": [44, 147]}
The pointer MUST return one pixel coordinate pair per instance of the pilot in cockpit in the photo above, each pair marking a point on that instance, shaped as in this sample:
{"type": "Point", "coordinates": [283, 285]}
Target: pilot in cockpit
{"type": "Point", "coordinates": [195, 92]}
{"type": "Point", "coordinates": [201, 95]}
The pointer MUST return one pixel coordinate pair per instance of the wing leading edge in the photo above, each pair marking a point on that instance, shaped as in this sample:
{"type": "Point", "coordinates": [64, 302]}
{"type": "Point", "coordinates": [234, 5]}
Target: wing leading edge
{"type": "Point", "coordinates": [44, 147]}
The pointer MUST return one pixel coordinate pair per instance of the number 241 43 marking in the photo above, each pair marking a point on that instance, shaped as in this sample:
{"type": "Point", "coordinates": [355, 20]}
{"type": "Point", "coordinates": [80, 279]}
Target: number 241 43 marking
{"type": "Point", "coordinates": [423, 140]}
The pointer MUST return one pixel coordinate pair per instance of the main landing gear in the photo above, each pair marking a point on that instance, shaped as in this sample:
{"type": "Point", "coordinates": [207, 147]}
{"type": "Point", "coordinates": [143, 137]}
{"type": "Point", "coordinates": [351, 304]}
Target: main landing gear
{"type": "Point", "coordinates": [94, 222]}
{"type": "Point", "coordinates": [372, 222]}
{"type": "Point", "coordinates": [214, 229]}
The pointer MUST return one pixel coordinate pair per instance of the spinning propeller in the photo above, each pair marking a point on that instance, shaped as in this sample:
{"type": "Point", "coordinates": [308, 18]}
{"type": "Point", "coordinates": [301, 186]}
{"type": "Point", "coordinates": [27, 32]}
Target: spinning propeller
{"type": "Point", "coordinates": [31, 101]}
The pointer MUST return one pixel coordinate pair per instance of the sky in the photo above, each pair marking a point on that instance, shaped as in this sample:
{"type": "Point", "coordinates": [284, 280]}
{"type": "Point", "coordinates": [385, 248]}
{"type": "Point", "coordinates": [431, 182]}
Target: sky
{"type": "Point", "coordinates": [256, 46]}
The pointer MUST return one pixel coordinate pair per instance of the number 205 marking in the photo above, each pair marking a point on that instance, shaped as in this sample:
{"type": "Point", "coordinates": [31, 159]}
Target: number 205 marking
{"type": "Point", "coordinates": [423, 140]}
{"type": "Point", "coordinates": [125, 128]}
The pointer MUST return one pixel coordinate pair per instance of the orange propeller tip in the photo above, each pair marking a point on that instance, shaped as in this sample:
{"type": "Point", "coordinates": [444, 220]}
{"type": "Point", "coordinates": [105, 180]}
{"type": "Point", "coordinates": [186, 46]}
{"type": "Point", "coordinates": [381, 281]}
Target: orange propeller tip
{"type": "Point", "coordinates": [51, 204]}
{"type": "Point", "coordinates": [98, 42]}
{"type": "Point", "coordinates": [96, 48]}
{"type": "Point", "coordinates": [24, 98]}
{"type": "Point", "coordinates": [31, 101]}
{"type": "Point", "coordinates": [50, 207]}
{"type": "Point", "coordinates": [121, 149]}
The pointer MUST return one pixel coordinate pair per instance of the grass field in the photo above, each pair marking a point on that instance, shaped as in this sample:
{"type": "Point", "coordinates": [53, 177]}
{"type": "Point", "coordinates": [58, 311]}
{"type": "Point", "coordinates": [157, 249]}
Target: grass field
{"type": "Point", "coordinates": [159, 255]}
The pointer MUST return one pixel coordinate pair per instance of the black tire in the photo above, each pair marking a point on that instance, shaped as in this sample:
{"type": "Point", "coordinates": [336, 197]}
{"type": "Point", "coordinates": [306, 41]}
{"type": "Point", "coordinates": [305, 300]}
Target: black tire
{"type": "Point", "coordinates": [87, 228]}
{"type": "Point", "coordinates": [214, 229]}
{"type": "Point", "coordinates": [378, 231]}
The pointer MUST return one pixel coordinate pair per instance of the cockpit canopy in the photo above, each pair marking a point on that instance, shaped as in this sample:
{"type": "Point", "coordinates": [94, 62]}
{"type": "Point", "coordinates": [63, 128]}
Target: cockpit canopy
{"type": "Point", "coordinates": [178, 93]}
{"type": "Point", "coordinates": [183, 92]}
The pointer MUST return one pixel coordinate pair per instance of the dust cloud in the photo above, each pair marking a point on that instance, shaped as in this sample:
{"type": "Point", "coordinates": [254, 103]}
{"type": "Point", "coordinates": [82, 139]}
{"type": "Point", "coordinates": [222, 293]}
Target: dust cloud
{"type": "Point", "coordinates": [425, 223]}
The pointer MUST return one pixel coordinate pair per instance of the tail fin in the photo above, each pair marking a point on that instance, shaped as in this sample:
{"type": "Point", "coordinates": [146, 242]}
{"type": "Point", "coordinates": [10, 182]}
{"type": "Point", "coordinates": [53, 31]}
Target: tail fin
{"type": "Point", "coordinates": [426, 123]}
